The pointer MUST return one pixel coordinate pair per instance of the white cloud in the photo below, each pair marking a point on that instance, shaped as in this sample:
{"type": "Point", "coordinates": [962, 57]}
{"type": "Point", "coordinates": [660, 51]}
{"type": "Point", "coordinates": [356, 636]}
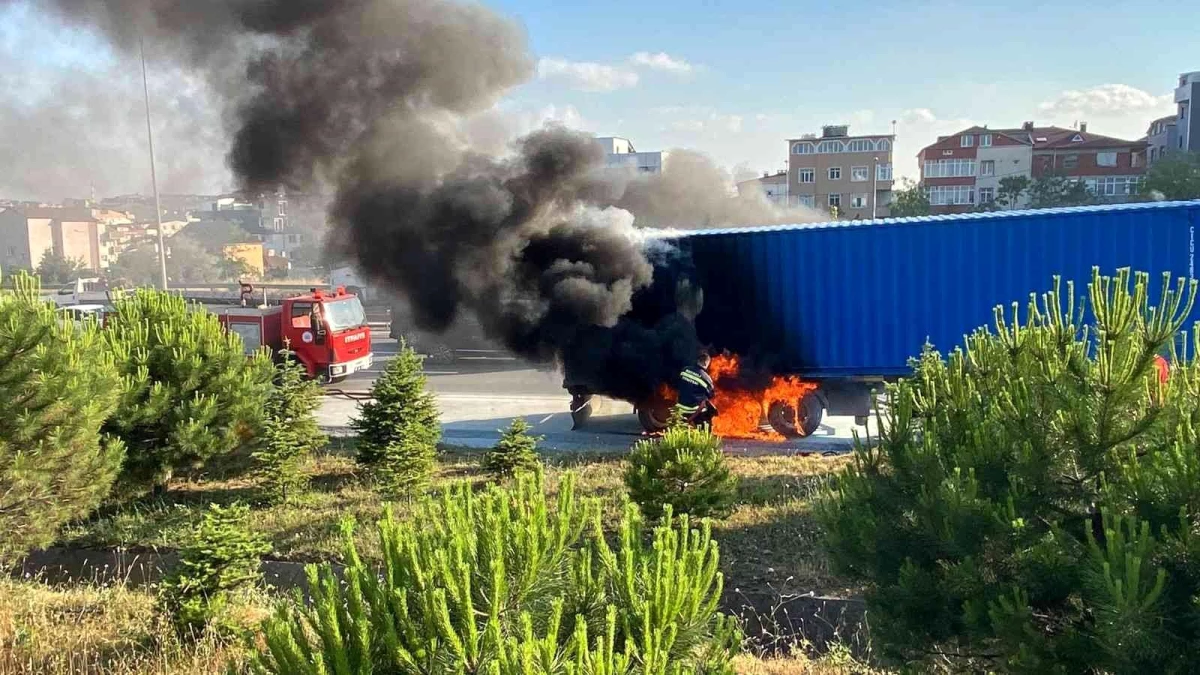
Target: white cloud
{"type": "Point", "coordinates": [699, 120]}
{"type": "Point", "coordinates": [1106, 100]}
{"type": "Point", "coordinates": [586, 75]}
{"type": "Point", "coordinates": [661, 61]}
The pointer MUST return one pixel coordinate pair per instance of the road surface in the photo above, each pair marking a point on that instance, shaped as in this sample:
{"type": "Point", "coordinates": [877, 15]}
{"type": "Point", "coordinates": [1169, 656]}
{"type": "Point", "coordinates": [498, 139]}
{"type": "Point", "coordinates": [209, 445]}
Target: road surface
{"type": "Point", "coordinates": [483, 392]}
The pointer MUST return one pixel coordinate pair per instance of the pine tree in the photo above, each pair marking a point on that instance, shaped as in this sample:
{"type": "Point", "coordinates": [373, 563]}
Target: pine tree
{"type": "Point", "coordinates": [57, 386]}
{"type": "Point", "coordinates": [290, 433]}
{"type": "Point", "coordinates": [221, 556]}
{"type": "Point", "coordinates": [515, 452]}
{"type": "Point", "coordinates": [193, 393]}
{"type": "Point", "coordinates": [684, 469]}
{"type": "Point", "coordinates": [505, 582]}
{"type": "Point", "coordinates": [1033, 501]}
{"type": "Point", "coordinates": [398, 429]}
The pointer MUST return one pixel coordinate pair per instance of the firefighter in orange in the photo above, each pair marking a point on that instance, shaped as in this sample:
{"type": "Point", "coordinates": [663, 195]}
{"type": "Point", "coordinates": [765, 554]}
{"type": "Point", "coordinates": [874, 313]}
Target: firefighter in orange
{"type": "Point", "coordinates": [696, 391]}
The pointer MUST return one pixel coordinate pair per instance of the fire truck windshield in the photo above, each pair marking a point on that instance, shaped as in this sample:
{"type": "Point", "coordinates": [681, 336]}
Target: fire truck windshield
{"type": "Point", "coordinates": [343, 314]}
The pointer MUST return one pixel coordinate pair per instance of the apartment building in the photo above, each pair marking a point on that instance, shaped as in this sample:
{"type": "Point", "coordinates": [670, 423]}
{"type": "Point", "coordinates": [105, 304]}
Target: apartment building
{"type": "Point", "coordinates": [850, 176]}
{"type": "Point", "coordinates": [26, 234]}
{"type": "Point", "coordinates": [772, 186]}
{"type": "Point", "coordinates": [1187, 95]}
{"type": "Point", "coordinates": [965, 169]}
{"type": "Point", "coordinates": [619, 153]}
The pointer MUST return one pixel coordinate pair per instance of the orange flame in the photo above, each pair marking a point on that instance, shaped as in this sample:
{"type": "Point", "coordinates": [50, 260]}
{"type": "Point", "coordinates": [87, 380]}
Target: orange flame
{"type": "Point", "coordinates": [743, 412]}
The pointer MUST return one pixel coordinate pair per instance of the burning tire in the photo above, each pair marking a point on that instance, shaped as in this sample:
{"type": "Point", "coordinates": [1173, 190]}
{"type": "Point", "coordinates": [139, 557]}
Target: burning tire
{"type": "Point", "coordinates": [797, 420]}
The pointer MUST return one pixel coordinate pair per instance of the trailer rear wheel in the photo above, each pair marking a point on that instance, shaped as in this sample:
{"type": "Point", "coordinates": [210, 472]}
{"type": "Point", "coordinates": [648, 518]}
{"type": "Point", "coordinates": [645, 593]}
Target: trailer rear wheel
{"type": "Point", "coordinates": [796, 420]}
{"type": "Point", "coordinates": [655, 416]}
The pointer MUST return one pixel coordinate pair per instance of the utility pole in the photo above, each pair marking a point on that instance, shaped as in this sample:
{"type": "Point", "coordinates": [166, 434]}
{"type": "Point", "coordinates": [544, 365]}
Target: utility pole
{"type": "Point", "coordinates": [162, 248]}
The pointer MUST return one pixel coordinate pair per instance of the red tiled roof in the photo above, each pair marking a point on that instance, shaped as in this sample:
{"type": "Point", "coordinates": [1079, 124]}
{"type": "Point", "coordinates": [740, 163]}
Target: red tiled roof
{"type": "Point", "coordinates": [1052, 138]}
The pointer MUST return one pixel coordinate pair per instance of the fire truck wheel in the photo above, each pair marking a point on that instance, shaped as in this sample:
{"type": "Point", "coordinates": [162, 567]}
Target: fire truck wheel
{"type": "Point", "coordinates": [654, 417]}
{"type": "Point", "coordinates": [796, 420]}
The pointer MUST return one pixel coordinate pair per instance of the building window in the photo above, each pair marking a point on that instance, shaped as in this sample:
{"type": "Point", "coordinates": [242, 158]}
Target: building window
{"type": "Point", "coordinates": [966, 141]}
{"type": "Point", "coordinates": [829, 146]}
{"type": "Point", "coordinates": [883, 172]}
{"type": "Point", "coordinates": [987, 195]}
{"type": "Point", "coordinates": [293, 239]}
{"type": "Point", "coordinates": [1114, 186]}
{"type": "Point", "coordinates": [987, 167]}
{"type": "Point", "coordinates": [985, 140]}
{"type": "Point", "coordinates": [806, 200]}
{"type": "Point", "coordinates": [1153, 152]}
{"type": "Point", "coordinates": [950, 168]}
{"type": "Point", "coordinates": [883, 144]}
{"type": "Point", "coordinates": [835, 200]}
{"type": "Point", "coordinates": [949, 195]}
{"type": "Point", "coordinates": [1110, 158]}
{"type": "Point", "coordinates": [858, 201]}
{"type": "Point", "coordinates": [835, 173]}
{"type": "Point", "coordinates": [860, 145]}
{"type": "Point", "coordinates": [1071, 161]}
{"type": "Point", "coordinates": [283, 208]}
{"type": "Point", "coordinates": [278, 222]}
{"type": "Point", "coordinates": [802, 149]}
{"type": "Point", "coordinates": [1077, 138]}
{"type": "Point", "coordinates": [858, 174]}
{"type": "Point", "coordinates": [806, 175]}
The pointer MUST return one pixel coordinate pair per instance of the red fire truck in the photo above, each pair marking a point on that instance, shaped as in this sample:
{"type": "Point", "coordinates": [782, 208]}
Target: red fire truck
{"type": "Point", "coordinates": [327, 331]}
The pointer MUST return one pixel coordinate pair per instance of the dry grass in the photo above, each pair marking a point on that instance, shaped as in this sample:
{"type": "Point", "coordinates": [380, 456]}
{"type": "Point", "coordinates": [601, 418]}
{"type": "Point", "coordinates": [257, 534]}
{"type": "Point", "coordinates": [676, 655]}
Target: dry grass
{"type": "Point", "coordinates": [86, 630]}
{"type": "Point", "coordinates": [769, 544]}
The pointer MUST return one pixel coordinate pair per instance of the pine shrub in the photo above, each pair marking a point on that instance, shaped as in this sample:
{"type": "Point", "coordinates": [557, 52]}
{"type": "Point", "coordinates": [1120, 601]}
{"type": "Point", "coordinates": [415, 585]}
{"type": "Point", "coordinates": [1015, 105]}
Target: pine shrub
{"type": "Point", "coordinates": [506, 582]}
{"type": "Point", "coordinates": [398, 428]}
{"type": "Point", "coordinates": [289, 434]}
{"type": "Point", "coordinates": [683, 468]}
{"type": "Point", "coordinates": [193, 393]}
{"type": "Point", "coordinates": [57, 386]}
{"type": "Point", "coordinates": [221, 556]}
{"type": "Point", "coordinates": [1033, 502]}
{"type": "Point", "coordinates": [515, 452]}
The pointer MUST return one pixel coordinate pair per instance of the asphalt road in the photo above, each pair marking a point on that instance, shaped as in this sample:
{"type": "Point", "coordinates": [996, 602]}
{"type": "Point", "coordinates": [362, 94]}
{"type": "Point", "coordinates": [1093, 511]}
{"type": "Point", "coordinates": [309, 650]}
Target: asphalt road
{"type": "Point", "coordinates": [481, 393]}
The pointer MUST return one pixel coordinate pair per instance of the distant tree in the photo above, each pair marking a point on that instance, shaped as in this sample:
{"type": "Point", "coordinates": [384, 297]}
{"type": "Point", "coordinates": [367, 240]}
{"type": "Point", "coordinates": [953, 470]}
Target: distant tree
{"type": "Point", "coordinates": [1175, 177]}
{"type": "Point", "coordinates": [189, 262]}
{"type": "Point", "coordinates": [233, 269]}
{"type": "Point", "coordinates": [911, 200]}
{"type": "Point", "coordinates": [1053, 190]}
{"type": "Point", "coordinates": [56, 269]}
{"type": "Point", "coordinates": [215, 235]}
{"type": "Point", "coordinates": [136, 266]}
{"type": "Point", "coordinates": [1012, 188]}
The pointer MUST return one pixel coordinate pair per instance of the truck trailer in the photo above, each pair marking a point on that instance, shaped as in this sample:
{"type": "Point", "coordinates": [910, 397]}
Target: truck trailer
{"type": "Point", "coordinates": [845, 305]}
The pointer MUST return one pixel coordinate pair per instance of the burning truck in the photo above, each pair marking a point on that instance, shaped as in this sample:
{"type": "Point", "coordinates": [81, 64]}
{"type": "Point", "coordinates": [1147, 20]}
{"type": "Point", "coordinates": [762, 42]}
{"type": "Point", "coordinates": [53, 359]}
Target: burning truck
{"type": "Point", "coordinates": [811, 319]}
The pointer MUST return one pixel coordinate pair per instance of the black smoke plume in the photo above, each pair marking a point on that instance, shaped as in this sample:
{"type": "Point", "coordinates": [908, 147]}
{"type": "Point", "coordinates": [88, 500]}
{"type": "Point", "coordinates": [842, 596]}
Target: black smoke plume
{"type": "Point", "coordinates": [366, 96]}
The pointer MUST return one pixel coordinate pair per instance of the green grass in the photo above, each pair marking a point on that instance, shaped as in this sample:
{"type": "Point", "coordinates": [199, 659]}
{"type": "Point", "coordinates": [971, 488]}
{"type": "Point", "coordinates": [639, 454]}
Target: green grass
{"type": "Point", "coordinates": [769, 544]}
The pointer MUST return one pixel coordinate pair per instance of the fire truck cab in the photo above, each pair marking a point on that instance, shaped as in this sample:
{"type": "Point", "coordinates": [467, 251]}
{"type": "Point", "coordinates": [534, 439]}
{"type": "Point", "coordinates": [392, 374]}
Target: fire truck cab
{"type": "Point", "coordinates": [327, 331]}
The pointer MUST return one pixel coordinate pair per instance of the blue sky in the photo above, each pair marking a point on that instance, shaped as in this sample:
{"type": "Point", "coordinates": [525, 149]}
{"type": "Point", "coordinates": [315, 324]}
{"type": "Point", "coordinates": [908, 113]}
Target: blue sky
{"type": "Point", "coordinates": [735, 79]}
{"type": "Point", "coordinates": [762, 72]}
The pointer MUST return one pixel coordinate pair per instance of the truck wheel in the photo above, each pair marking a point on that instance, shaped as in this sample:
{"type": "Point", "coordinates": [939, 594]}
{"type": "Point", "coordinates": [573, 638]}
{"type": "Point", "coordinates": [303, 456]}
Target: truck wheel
{"type": "Point", "coordinates": [581, 411]}
{"type": "Point", "coordinates": [796, 420]}
{"type": "Point", "coordinates": [654, 416]}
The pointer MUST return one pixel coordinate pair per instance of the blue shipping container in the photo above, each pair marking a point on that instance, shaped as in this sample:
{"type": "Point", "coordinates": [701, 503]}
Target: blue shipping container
{"type": "Point", "coordinates": [850, 300]}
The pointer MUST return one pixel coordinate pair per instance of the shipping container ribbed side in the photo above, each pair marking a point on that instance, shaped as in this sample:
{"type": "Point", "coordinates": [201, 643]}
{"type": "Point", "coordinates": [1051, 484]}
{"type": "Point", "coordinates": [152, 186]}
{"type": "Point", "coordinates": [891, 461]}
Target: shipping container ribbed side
{"type": "Point", "coordinates": [849, 300]}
